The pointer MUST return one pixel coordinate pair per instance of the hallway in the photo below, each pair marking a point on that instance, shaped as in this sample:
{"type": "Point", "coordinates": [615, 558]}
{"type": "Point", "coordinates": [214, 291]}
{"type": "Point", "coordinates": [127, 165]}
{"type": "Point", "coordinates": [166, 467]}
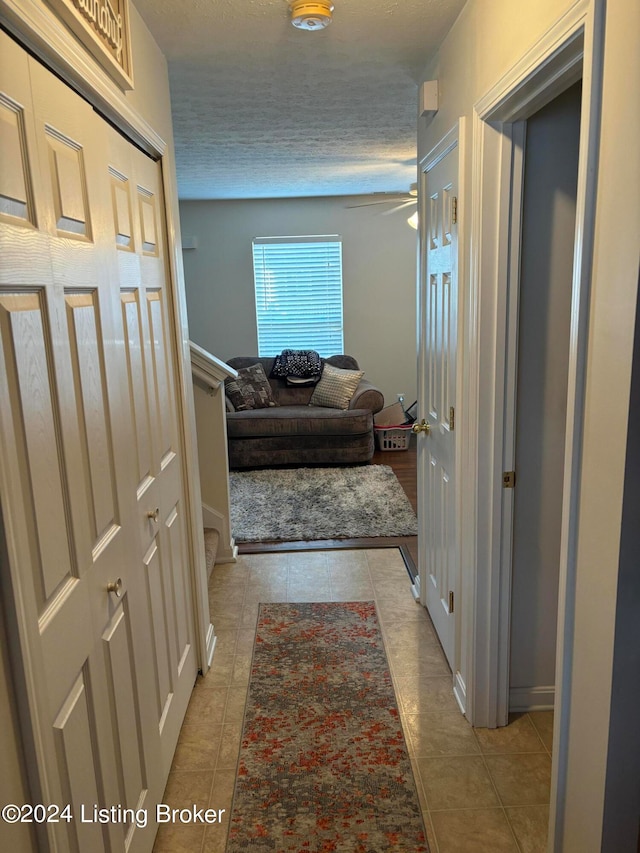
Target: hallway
{"type": "Point", "coordinates": [481, 790]}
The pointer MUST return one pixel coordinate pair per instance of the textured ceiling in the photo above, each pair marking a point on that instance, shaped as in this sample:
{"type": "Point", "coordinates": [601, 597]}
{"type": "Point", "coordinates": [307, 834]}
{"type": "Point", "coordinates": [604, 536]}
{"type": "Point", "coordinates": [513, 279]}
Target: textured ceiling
{"type": "Point", "coordinates": [262, 110]}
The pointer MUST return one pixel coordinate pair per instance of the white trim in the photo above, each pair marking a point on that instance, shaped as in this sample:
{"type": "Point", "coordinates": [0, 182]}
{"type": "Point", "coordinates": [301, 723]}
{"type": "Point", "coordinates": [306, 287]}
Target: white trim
{"type": "Point", "coordinates": [523, 90]}
{"type": "Point", "coordinates": [484, 402]}
{"type": "Point", "coordinates": [469, 399]}
{"type": "Point", "coordinates": [230, 557]}
{"type": "Point", "coordinates": [460, 691]}
{"type": "Point", "coordinates": [209, 369]}
{"type": "Point", "coordinates": [442, 148]}
{"type": "Point", "coordinates": [211, 645]}
{"type": "Point", "coordinates": [227, 548]}
{"type": "Point", "coordinates": [415, 588]}
{"type": "Point", "coordinates": [582, 272]}
{"type": "Point", "coordinates": [531, 699]}
{"type": "Point", "coordinates": [517, 134]}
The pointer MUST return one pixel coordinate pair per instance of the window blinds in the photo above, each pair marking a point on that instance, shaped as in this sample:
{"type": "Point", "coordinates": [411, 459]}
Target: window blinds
{"type": "Point", "coordinates": [298, 285]}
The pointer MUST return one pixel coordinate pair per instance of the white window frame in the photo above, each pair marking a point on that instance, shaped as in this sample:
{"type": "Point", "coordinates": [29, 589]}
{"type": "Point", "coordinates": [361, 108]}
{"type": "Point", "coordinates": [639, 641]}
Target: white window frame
{"type": "Point", "coordinates": [305, 327]}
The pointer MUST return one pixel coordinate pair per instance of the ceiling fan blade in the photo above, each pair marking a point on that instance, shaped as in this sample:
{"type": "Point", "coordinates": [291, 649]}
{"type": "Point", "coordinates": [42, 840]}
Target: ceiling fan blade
{"type": "Point", "coordinates": [370, 203]}
{"type": "Point", "coordinates": [399, 207]}
{"type": "Point", "coordinates": [402, 199]}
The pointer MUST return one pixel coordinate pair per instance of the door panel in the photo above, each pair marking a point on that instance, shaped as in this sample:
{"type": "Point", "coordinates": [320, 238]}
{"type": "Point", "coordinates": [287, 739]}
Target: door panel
{"type": "Point", "coordinates": [156, 596]}
{"type": "Point", "coordinates": [14, 182]}
{"type": "Point", "coordinates": [74, 729]}
{"type": "Point", "coordinates": [436, 450]}
{"type": "Point", "coordinates": [151, 387]}
{"type": "Point", "coordinates": [138, 391]}
{"type": "Point", "coordinates": [93, 414]}
{"type": "Point", "coordinates": [68, 185]}
{"type": "Point", "coordinates": [123, 694]}
{"type": "Point", "coordinates": [178, 593]}
{"type": "Point", "coordinates": [29, 372]}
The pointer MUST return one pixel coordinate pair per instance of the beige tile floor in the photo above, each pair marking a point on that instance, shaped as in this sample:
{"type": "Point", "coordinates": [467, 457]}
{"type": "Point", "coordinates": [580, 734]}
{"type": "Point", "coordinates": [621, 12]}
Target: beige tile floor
{"type": "Point", "coordinates": [481, 790]}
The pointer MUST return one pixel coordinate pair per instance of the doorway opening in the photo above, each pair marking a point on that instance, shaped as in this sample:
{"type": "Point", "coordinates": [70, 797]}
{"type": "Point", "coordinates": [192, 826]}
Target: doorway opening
{"type": "Point", "coordinates": [551, 149]}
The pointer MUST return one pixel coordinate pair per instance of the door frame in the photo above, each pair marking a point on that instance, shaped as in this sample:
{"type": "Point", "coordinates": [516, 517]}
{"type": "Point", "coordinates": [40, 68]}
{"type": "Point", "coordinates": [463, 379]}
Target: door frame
{"type": "Point", "coordinates": [570, 50]}
{"type": "Point", "coordinates": [41, 32]}
{"type": "Point", "coordinates": [455, 137]}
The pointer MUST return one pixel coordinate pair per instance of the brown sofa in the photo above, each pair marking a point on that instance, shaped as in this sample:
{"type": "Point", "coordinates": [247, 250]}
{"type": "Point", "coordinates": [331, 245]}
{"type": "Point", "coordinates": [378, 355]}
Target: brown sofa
{"type": "Point", "coordinates": [296, 433]}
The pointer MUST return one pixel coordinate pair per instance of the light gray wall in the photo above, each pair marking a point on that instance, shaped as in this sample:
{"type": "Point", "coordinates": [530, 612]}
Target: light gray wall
{"type": "Point", "coordinates": [379, 278]}
{"type": "Point", "coordinates": [551, 169]}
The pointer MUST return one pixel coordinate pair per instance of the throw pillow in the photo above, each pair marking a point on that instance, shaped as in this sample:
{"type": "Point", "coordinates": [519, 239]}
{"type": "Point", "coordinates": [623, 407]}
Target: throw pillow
{"type": "Point", "coordinates": [336, 387]}
{"type": "Point", "coordinates": [251, 390]}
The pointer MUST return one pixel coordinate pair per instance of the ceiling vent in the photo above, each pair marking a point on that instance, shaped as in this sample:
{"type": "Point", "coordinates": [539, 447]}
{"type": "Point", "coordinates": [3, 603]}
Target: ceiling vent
{"type": "Point", "coordinates": [311, 16]}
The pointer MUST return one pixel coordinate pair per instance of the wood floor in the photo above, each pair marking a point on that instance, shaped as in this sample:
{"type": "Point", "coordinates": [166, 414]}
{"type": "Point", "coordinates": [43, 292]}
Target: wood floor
{"type": "Point", "coordinates": [403, 464]}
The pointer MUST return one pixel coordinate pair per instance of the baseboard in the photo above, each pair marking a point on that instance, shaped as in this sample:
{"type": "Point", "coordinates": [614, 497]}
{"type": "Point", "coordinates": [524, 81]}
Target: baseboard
{"type": "Point", "coordinates": [228, 554]}
{"type": "Point", "coordinates": [415, 587]}
{"type": "Point", "coordinates": [532, 698]}
{"type": "Point", "coordinates": [211, 644]}
{"type": "Point", "coordinates": [460, 692]}
{"type": "Point", "coordinates": [227, 548]}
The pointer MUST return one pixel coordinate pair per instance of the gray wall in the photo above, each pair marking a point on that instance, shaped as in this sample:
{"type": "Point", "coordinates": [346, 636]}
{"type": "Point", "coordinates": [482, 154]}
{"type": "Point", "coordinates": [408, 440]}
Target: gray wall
{"type": "Point", "coordinates": [379, 278]}
{"type": "Point", "coordinates": [621, 823]}
{"type": "Point", "coordinates": [551, 166]}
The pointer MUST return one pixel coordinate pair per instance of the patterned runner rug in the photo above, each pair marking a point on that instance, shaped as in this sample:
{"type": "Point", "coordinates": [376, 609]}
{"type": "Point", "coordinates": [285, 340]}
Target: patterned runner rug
{"type": "Point", "coordinates": [319, 503]}
{"type": "Point", "coordinates": [323, 762]}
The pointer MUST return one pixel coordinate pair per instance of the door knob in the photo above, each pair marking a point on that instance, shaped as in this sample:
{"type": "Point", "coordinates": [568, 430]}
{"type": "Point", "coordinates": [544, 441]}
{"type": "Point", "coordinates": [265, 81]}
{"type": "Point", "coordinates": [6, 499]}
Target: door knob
{"type": "Point", "coordinates": [115, 587]}
{"type": "Point", "coordinates": [154, 514]}
{"type": "Point", "coordinates": [423, 426]}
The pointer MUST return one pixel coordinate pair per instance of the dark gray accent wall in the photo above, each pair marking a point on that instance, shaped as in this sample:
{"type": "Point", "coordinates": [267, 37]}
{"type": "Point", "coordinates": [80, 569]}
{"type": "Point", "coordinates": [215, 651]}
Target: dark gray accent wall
{"type": "Point", "coordinates": [621, 833]}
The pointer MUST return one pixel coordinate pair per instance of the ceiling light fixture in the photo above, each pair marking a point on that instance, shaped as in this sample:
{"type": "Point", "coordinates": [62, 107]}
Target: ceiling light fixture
{"type": "Point", "coordinates": [311, 16]}
{"type": "Point", "coordinates": [413, 220]}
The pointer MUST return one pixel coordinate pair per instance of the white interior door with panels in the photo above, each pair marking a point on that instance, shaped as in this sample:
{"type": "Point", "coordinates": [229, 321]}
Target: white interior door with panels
{"type": "Point", "coordinates": [438, 317]}
{"type": "Point", "coordinates": [100, 713]}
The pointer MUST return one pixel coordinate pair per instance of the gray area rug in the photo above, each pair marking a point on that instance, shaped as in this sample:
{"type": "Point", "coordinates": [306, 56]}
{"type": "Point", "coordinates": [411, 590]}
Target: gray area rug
{"type": "Point", "coordinates": [295, 504]}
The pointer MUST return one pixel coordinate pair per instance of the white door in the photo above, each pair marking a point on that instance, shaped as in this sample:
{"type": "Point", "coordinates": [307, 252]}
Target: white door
{"type": "Point", "coordinates": [83, 635]}
{"type": "Point", "coordinates": [438, 313]}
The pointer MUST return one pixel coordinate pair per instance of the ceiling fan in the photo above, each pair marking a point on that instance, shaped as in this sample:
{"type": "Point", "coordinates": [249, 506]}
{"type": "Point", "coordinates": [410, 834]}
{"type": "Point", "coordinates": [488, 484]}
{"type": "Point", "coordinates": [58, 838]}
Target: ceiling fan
{"type": "Point", "coordinates": [399, 200]}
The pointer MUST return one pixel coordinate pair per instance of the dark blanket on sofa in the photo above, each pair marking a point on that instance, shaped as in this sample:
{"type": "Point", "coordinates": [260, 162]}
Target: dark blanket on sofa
{"type": "Point", "coordinates": [302, 363]}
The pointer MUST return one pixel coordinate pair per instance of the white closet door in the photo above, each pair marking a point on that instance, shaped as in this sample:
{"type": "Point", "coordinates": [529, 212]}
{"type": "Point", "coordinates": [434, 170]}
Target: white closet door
{"type": "Point", "coordinates": [76, 545]}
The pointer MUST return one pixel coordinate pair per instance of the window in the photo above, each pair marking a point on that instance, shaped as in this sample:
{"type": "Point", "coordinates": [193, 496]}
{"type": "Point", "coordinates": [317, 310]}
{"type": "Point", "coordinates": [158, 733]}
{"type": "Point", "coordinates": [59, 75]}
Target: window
{"type": "Point", "coordinates": [298, 283]}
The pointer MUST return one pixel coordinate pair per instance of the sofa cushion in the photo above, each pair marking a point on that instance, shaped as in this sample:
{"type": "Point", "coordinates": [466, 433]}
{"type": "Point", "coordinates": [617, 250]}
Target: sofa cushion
{"type": "Point", "coordinates": [298, 421]}
{"type": "Point", "coordinates": [250, 390]}
{"type": "Point", "coordinates": [336, 387]}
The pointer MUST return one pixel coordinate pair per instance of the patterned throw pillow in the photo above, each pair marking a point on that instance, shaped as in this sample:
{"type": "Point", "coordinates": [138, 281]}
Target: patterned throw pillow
{"type": "Point", "coordinates": [336, 387]}
{"type": "Point", "coordinates": [251, 390]}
